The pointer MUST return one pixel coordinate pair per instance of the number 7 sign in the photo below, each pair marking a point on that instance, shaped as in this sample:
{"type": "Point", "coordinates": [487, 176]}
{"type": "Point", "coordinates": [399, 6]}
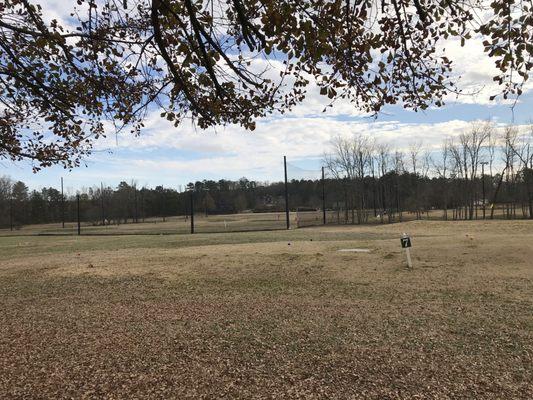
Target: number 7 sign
{"type": "Point", "coordinates": [405, 240]}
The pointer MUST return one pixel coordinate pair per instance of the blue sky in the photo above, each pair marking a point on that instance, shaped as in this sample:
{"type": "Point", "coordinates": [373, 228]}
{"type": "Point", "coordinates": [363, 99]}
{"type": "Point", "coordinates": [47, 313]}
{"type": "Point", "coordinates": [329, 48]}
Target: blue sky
{"type": "Point", "coordinates": [169, 156]}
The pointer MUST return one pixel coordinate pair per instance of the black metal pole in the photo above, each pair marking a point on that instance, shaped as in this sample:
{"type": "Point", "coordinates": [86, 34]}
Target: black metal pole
{"type": "Point", "coordinates": [102, 198]}
{"type": "Point", "coordinates": [398, 207]}
{"type": "Point", "coordinates": [162, 201]}
{"type": "Point", "coordinates": [323, 198]}
{"type": "Point", "coordinates": [79, 224]}
{"type": "Point", "coordinates": [11, 212]}
{"type": "Point", "coordinates": [62, 205]}
{"type": "Point", "coordinates": [483, 185]}
{"type": "Point", "coordinates": [192, 212]}
{"type": "Point", "coordinates": [136, 207]}
{"type": "Point", "coordinates": [142, 204]}
{"type": "Point", "coordinates": [286, 194]}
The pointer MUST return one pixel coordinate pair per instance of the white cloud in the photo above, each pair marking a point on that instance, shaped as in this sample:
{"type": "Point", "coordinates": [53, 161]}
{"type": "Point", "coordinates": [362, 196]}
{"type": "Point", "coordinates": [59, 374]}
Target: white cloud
{"type": "Point", "coordinates": [476, 71]}
{"type": "Point", "coordinates": [57, 9]}
{"type": "Point", "coordinates": [232, 153]}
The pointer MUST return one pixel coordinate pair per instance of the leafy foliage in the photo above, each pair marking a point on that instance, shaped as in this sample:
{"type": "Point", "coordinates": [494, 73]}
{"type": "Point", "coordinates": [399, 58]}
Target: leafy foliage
{"type": "Point", "coordinates": [217, 62]}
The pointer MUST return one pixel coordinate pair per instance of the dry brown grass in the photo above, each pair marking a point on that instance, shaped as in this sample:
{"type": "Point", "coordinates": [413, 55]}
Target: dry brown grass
{"type": "Point", "coordinates": [250, 316]}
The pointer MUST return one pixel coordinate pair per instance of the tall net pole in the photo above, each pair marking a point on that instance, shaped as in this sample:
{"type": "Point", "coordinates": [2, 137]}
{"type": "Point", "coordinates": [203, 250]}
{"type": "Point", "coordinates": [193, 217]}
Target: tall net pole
{"type": "Point", "coordinates": [192, 211]}
{"type": "Point", "coordinates": [286, 194]}
{"type": "Point", "coordinates": [398, 206]}
{"type": "Point", "coordinates": [102, 201]}
{"type": "Point", "coordinates": [483, 163]}
{"type": "Point", "coordinates": [142, 204]}
{"type": "Point", "coordinates": [323, 197]}
{"type": "Point", "coordinates": [136, 207]}
{"type": "Point", "coordinates": [62, 206]}
{"type": "Point", "coordinates": [79, 223]}
{"type": "Point", "coordinates": [162, 202]}
{"type": "Point", "coordinates": [11, 211]}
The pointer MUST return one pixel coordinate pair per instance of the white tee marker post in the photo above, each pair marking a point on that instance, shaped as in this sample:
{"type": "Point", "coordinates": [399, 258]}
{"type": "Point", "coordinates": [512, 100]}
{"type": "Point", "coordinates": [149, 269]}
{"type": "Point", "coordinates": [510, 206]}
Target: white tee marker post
{"type": "Point", "coordinates": [406, 244]}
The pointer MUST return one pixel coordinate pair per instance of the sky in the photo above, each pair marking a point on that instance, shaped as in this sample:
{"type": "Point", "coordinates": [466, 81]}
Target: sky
{"type": "Point", "coordinates": [172, 157]}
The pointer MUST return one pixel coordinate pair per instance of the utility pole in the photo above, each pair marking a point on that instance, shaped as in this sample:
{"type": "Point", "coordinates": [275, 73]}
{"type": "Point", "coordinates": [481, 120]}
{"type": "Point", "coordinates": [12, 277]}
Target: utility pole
{"type": "Point", "coordinates": [78, 202]}
{"type": "Point", "coordinates": [374, 190]}
{"type": "Point", "coordinates": [136, 208]}
{"type": "Point", "coordinates": [286, 194]}
{"type": "Point", "coordinates": [102, 198]}
{"type": "Point", "coordinates": [11, 212]}
{"type": "Point", "coordinates": [142, 204]}
{"type": "Point", "coordinates": [398, 207]}
{"type": "Point", "coordinates": [323, 198]}
{"type": "Point", "coordinates": [192, 211]}
{"type": "Point", "coordinates": [62, 206]}
{"type": "Point", "coordinates": [162, 201]}
{"type": "Point", "coordinates": [483, 163]}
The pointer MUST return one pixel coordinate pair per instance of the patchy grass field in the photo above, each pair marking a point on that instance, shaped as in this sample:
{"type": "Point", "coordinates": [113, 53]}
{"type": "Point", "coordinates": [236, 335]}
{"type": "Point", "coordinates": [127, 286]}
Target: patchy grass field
{"type": "Point", "coordinates": [246, 315]}
{"type": "Point", "coordinates": [223, 223]}
{"type": "Point", "coordinates": [170, 225]}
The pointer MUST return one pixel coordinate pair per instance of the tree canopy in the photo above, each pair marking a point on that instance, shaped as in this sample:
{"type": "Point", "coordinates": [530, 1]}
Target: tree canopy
{"type": "Point", "coordinates": [216, 62]}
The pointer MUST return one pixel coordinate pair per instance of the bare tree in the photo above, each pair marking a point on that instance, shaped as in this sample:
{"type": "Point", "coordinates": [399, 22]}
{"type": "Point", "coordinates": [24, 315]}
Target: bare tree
{"type": "Point", "coordinates": [339, 164]}
{"type": "Point", "coordinates": [522, 148]}
{"type": "Point", "coordinates": [384, 159]}
{"type": "Point", "coordinates": [414, 151]}
{"type": "Point", "coordinates": [508, 141]}
{"type": "Point", "coordinates": [467, 156]}
{"type": "Point", "coordinates": [442, 170]}
{"type": "Point", "coordinates": [350, 161]}
{"type": "Point", "coordinates": [399, 168]}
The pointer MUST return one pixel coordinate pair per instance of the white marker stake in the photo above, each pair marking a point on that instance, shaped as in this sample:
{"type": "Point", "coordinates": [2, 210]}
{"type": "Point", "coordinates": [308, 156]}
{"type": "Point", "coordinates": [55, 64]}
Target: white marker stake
{"type": "Point", "coordinates": [406, 244]}
{"type": "Point", "coordinates": [408, 253]}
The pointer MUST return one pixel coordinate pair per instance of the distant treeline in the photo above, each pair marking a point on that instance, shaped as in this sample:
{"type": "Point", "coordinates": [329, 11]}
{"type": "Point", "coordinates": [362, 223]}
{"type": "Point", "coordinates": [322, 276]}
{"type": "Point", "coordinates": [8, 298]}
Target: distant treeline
{"type": "Point", "coordinates": [130, 203]}
{"type": "Point", "coordinates": [470, 177]}
{"type": "Point", "coordinates": [389, 195]}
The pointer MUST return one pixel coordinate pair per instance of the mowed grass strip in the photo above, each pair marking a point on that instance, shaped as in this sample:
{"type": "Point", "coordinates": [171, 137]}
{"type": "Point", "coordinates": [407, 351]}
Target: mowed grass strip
{"type": "Point", "coordinates": [250, 316]}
